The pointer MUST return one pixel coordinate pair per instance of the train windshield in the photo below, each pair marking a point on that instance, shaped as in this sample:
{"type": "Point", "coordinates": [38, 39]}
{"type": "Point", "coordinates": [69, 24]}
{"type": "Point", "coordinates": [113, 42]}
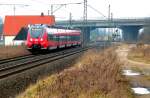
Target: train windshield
{"type": "Point", "coordinates": [36, 32]}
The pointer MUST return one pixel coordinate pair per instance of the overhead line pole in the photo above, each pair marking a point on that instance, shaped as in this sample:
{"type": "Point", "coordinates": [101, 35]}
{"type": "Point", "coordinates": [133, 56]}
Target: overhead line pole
{"type": "Point", "coordinates": [51, 9]}
{"type": "Point", "coordinates": [85, 11]}
{"type": "Point", "coordinates": [84, 22]}
{"type": "Point", "coordinates": [109, 12]}
{"type": "Point", "coordinates": [70, 18]}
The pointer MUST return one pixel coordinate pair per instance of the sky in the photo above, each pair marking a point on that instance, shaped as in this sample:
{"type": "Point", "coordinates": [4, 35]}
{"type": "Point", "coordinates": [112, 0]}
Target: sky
{"type": "Point", "coordinates": [119, 8]}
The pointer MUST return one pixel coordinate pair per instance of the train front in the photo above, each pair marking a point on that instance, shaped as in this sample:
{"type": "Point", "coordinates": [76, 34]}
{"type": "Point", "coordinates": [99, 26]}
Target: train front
{"type": "Point", "coordinates": [36, 38]}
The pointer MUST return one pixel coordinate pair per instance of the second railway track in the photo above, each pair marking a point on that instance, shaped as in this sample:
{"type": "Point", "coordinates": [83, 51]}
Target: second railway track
{"type": "Point", "coordinates": [15, 58]}
{"type": "Point", "coordinates": [14, 67]}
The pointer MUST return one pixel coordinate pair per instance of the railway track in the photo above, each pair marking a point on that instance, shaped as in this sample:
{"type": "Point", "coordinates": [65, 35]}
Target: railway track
{"type": "Point", "coordinates": [15, 58]}
{"type": "Point", "coordinates": [18, 65]}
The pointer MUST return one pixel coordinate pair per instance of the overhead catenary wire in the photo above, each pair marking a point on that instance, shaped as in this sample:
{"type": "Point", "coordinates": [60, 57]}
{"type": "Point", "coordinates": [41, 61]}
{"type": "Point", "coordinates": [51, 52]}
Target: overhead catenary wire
{"type": "Point", "coordinates": [56, 8]}
{"type": "Point", "coordinates": [96, 11]}
{"type": "Point", "coordinates": [14, 5]}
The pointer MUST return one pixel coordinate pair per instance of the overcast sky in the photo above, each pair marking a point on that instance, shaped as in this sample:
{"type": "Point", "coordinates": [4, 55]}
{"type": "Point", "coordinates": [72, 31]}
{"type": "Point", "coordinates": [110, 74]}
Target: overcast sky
{"type": "Point", "coordinates": [120, 8]}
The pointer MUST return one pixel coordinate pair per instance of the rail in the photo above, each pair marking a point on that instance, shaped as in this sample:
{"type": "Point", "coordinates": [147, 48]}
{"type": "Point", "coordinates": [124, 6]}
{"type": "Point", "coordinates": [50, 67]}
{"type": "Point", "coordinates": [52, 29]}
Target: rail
{"type": "Point", "coordinates": [15, 67]}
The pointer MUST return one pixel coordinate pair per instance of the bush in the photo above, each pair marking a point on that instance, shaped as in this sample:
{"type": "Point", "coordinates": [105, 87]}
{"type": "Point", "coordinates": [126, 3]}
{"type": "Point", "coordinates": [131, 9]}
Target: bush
{"type": "Point", "coordinates": [95, 75]}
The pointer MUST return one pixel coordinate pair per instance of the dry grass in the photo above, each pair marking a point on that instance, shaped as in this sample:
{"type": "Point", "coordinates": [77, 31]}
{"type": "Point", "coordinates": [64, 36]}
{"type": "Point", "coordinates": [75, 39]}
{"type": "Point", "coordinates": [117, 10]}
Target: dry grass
{"type": "Point", "coordinates": [12, 51]}
{"type": "Point", "coordinates": [96, 75]}
{"type": "Point", "coordinates": [140, 53]}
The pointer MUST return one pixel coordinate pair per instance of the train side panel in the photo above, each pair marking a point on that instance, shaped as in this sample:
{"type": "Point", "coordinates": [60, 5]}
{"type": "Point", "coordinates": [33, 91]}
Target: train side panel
{"type": "Point", "coordinates": [52, 38]}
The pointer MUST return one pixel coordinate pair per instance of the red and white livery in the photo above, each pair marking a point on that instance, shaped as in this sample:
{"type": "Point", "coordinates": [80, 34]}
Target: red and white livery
{"type": "Point", "coordinates": [46, 37]}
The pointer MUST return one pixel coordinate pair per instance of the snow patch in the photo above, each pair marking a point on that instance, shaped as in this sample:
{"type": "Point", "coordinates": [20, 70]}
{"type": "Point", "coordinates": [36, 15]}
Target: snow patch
{"type": "Point", "coordinates": [130, 73]}
{"type": "Point", "coordinates": [140, 90]}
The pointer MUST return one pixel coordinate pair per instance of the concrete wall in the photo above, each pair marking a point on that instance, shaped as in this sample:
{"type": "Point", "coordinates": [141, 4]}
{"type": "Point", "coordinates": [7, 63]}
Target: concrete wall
{"type": "Point", "coordinates": [130, 33]}
{"type": "Point", "coordinates": [9, 40]}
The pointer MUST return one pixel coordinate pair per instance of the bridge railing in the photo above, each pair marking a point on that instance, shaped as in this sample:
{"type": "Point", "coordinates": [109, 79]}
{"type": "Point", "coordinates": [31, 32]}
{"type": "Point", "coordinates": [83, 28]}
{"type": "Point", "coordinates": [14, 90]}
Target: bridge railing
{"type": "Point", "coordinates": [105, 22]}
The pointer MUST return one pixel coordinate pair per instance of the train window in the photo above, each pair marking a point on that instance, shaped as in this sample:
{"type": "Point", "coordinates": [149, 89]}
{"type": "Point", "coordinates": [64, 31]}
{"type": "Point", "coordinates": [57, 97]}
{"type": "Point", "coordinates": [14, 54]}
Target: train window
{"type": "Point", "coordinates": [50, 37]}
{"type": "Point", "coordinates": [53, 37]}
{"type": "Point", "coordinates": [75, 38]}
{"type": "Point", "coordinates": [56, 38]}
{"type": "Point", "coordinates": [62, 38]}
{"type": "Point", "coordinates": [68, 38]}
{"type": "Point", "coordinates": [36, 32]}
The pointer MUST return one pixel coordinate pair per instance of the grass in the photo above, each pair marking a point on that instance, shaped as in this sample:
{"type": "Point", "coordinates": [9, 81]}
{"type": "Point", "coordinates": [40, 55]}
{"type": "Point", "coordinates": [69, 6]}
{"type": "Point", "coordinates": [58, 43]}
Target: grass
{"type": "Point", "coordinates": [95, 75]}
{"type": "Point", "coordinates": [139, 59]}
{"type": "Point", "coordinates": [12, 51]}
{"type": "Point", "coordinates": [140, 54]}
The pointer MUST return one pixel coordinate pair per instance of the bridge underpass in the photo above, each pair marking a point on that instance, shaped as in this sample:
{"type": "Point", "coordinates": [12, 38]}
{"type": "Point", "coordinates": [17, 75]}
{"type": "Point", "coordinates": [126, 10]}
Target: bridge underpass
{"type": "Point", "coordinates": [130, 33]}
{"type": "Point", "coordinates": [86, 34]}
{"type": "Point", "coordinates": [130, 27]}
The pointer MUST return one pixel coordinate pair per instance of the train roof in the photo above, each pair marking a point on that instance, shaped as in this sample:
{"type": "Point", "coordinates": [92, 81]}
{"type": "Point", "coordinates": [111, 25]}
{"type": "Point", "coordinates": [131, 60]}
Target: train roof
{"type": "Point", "coordinates": [54, 27]}
{"type": "Point", "coordinates": [61, 27]}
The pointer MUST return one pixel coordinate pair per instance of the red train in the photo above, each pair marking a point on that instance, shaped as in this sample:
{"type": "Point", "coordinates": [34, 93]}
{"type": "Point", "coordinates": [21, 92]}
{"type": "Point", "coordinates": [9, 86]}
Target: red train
{"type": "Point", "coordinates": [46, 37]}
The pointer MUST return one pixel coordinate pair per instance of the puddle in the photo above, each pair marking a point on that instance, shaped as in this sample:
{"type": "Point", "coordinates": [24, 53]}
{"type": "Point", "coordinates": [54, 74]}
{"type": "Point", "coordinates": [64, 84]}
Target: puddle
{"type": "Point", "coordinates": [130, 73]}
{"type": "Point", "coordinates": [141, 90]}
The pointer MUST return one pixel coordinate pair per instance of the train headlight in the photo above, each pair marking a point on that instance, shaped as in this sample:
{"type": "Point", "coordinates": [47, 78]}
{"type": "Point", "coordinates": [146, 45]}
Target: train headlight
{"type": "Point", "coordinates": [41, 39]}
{"type": "Point", "coordinates": [36, 40]}
{"type": "Point", "coordinates": [31, 39]}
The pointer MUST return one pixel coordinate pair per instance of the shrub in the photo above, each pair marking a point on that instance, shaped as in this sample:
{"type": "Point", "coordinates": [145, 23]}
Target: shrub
{"type": "Point", "coordinates": [95, 75]}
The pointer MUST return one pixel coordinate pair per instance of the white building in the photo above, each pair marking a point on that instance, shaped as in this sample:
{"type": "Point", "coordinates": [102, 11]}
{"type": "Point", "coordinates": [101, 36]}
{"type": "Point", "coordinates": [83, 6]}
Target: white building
{"type": "Point", "coordinates": [14, 27]}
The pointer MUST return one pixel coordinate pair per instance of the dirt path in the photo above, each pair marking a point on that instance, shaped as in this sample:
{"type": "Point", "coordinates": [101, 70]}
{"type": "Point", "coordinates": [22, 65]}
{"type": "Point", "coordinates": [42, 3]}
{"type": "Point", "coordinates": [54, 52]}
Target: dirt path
{"type": "Point", "coordinates": [142, 80]}
{"type": "Point", "coordinates": [123, 53]}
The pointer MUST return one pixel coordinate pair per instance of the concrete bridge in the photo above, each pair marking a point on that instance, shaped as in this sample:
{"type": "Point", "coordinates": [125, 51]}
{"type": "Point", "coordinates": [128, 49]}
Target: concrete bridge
{"type": "Point", "coordinates": [130, 27]}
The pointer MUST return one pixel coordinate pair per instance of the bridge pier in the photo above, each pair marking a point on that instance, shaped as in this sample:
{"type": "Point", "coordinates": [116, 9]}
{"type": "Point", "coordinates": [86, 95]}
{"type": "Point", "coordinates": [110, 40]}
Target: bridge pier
{"type": "Point", "coordinates": [130, 33]}
{"type": "Point", "coordinates": [85, 36]}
